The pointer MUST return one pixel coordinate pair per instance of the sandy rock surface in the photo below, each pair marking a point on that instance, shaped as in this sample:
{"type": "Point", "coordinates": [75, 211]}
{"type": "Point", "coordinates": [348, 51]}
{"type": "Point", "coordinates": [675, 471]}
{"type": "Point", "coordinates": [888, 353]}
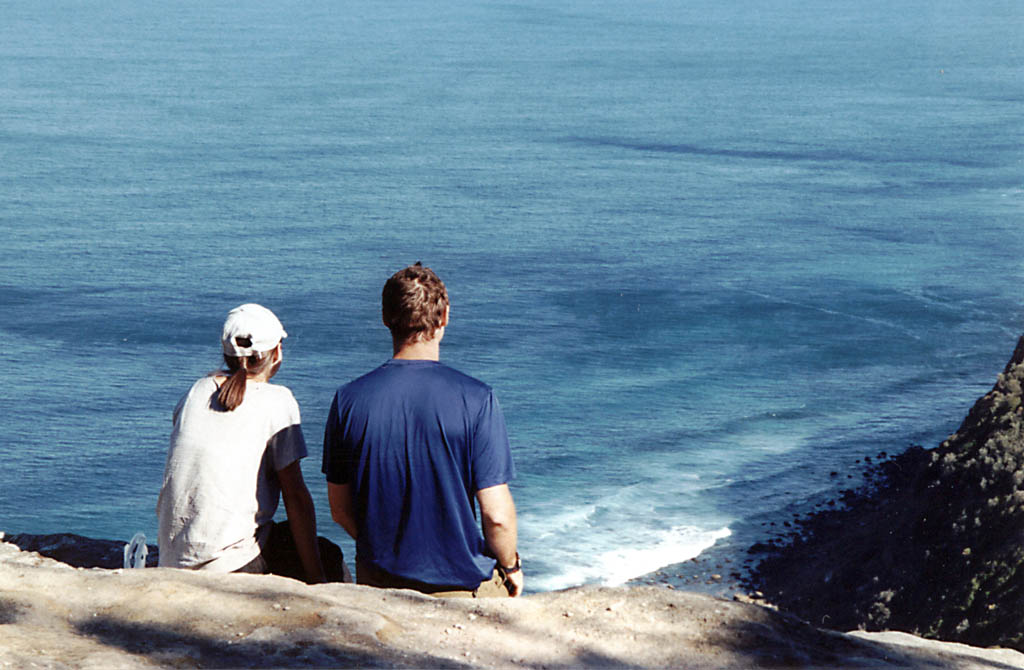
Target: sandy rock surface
{"type": "Point", "coordinates": [56, 616]}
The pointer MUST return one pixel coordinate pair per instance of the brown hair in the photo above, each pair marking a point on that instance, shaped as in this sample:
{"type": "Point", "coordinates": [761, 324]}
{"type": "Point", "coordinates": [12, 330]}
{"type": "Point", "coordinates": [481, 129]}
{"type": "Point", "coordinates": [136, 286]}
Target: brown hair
{"type": "Point", "coordinates": [413, 303]}
{"type": "Point", "coordinates": [232, 391]}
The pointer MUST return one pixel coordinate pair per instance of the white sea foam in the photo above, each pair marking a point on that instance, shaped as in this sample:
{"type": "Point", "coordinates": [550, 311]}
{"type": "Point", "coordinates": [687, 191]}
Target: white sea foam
{"type": "Point", "coordinates": [567, 521]}
{"type": "Point", "coordinates": [763, 443]}
{"type": "Point", "coordinates": [617, 566]}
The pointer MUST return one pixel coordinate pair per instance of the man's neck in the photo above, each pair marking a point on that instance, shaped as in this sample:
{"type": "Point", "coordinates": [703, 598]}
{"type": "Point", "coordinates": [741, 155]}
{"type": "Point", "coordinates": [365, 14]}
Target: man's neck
{"type": "Point", "coordinates": [429, 350]}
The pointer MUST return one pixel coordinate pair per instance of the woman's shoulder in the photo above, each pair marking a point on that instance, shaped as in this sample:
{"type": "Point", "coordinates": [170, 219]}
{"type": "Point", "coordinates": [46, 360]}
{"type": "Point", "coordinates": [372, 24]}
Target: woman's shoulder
{"type": "Point", "coordinates": [275, 402]}
{"type": "Point", "coordinates": [205, 383]}
{"type": "Point", "coordinates": [272, 392]}
{"type": "Point", "coordinates": [197, 397]}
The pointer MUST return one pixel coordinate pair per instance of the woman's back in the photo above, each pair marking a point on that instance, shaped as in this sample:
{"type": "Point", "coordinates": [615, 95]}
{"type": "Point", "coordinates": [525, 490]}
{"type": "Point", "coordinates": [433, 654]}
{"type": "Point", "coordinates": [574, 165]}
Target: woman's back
{"type": "Point", "coordinates": [219, 485]}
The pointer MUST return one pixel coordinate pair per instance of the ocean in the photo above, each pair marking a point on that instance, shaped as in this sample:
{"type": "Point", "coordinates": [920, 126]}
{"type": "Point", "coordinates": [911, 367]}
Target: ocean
{"type": "Point", "coordinates": [710, 255]}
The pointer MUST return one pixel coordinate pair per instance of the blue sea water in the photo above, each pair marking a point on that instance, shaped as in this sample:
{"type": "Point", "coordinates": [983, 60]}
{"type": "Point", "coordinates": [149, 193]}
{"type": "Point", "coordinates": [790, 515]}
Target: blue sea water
{"type": "Point", "coordinates": [707, 253]}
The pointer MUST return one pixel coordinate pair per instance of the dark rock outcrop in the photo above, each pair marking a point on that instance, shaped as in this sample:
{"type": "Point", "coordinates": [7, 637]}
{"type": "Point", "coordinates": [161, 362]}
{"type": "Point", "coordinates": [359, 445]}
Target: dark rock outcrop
{"type": "Point", "coordinates": [77, 550]}
{"type": "Point", "coordinates": [933, 544]}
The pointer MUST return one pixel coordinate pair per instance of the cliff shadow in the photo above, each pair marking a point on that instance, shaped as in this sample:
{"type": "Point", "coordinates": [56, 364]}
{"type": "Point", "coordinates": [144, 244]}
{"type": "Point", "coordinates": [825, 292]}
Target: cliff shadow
{"type": "Point", "coordinates": [163, 645]}
{"type": "Point", "coordinates": [790, 642]}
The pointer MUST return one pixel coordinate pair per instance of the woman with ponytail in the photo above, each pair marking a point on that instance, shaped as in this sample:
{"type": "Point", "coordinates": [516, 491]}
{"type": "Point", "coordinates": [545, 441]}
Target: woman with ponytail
{"type": "Point", "coordinates": [234, 453]}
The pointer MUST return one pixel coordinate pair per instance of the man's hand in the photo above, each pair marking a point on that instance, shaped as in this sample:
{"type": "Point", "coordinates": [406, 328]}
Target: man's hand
{"type": "Point", "coordinates": [514, 583]}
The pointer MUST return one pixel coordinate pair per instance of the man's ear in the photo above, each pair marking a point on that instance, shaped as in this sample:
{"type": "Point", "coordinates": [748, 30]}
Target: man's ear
{"type": "Point", "coordinates": [447, 311]}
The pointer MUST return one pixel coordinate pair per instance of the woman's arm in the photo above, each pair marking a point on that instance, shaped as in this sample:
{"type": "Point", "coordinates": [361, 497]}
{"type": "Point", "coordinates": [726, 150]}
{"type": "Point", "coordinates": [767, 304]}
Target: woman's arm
{"type": "Point", "coordinates": [302, 520]}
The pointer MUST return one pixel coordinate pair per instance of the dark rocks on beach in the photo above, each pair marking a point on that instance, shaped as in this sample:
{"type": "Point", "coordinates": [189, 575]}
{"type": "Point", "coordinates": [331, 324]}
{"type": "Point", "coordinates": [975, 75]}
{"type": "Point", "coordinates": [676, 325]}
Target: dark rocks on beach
{"type": "Point", "coordinates": [932, 544]}
{"type": "Point", "coordinates": [77, 550]}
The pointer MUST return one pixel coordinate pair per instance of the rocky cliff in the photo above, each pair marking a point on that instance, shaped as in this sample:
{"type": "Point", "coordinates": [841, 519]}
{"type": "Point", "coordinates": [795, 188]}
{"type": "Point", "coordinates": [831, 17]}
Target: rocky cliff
{"type": "Point", "coordinates": [934, 544]}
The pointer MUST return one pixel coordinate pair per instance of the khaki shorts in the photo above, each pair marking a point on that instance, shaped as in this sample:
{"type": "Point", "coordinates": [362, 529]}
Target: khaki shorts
{"type": "Point", "coordinates": [373, 576]}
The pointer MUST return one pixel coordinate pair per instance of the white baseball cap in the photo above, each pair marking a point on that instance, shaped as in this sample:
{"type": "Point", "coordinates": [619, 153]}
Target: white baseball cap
{"type": "Point", "coordinates": [251, 329]}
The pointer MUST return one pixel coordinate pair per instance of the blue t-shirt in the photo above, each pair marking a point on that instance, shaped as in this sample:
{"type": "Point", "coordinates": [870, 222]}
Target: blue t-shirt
{"type": "Point", "coordinates": [417, 439]}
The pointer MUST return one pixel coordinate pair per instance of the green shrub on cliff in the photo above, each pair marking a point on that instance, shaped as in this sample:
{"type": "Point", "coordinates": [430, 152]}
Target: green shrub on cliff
{"type": "Point", "coordinates": [933, 544]}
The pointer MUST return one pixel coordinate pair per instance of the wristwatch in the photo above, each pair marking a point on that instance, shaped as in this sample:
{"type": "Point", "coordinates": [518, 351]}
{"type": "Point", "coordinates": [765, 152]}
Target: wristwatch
{"type": "Point", "coordinates": [514, 569]}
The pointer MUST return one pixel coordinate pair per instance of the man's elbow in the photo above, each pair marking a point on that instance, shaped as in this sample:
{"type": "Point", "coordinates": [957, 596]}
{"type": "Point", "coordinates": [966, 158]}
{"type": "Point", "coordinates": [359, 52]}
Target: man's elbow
{"type": "Point", "coordinates": [499, 519]}
{"type": "Point", "coordinates": [346, 522]}
{"type": "Point", "coordinates": [497, 509]}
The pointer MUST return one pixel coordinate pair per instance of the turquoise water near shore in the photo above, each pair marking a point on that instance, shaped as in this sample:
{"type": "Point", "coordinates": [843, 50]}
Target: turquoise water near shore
{"type": "Point", "coordinates": [706, 253]}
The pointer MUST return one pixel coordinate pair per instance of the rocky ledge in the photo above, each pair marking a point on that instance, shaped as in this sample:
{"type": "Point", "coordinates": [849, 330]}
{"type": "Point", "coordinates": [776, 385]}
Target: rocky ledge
{"type": "Point", "coordinates": [53, 615]}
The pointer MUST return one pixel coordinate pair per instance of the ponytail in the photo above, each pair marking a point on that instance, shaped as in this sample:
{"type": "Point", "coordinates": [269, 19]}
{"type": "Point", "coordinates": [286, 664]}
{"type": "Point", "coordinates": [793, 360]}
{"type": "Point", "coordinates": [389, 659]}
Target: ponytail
{"type": "Point", "coordinates": [232, 392]}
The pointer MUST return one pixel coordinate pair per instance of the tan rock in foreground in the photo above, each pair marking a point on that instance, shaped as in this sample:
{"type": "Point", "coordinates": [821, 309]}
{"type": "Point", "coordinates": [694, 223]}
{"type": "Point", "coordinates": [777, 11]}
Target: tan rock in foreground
{"type": "Point", "coordinates": [52, 615]}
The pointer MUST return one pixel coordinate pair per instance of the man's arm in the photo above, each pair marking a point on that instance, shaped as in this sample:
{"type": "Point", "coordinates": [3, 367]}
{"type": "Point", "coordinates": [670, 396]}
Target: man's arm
{"type": "Point", "coordinates": [342, 508]}
{"type": "Point", "coordinates": [302, 520]}
{"type": "Point", "coordinates": [498, 516]}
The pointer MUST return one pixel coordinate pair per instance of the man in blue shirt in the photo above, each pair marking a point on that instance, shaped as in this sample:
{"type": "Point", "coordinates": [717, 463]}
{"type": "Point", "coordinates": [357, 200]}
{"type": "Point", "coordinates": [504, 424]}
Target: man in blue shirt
{"type": "Point", "coordinates": [409, 450]}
